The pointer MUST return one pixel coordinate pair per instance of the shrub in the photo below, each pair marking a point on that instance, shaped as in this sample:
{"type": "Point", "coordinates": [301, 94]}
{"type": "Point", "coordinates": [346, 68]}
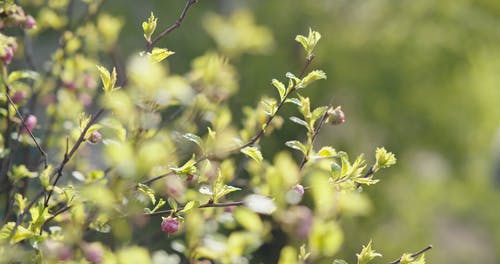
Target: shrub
{"type": "Point", "coordinates": [152, 167]}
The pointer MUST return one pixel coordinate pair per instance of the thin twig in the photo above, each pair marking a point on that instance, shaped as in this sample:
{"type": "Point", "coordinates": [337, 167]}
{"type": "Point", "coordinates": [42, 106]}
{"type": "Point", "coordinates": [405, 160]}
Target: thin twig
{"type": "Point", "coordinates": [314, 136]}
{"type": "Point", "coordinates": [20, 116]}
{"type": "Point", "coordinates": [172, 27]}
{"type": "Point", "coordinates": [207, 205]}
{"type": "Point", "coordinates": [413, 255]}
{"type": "Point", "coordinates": [67, 156]}
{"type": "Point", "coordinates": [255, 138]}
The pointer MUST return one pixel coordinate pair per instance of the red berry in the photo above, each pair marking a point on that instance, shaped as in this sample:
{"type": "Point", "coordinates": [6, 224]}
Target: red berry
{"type": "Point", "coordinates": [337, 116]}
{"type": "Point", "coordinates": [9, 54]}
{"type": "Point", "coordinates": [18, 96]}
{"type": "Point", "coordinates": [30, 123]}
{"type": "Point", "coordinates": [170, 225]}
{"type": "Point", "coordinates": [95, 137]}
{"type": "Point", "coordinates": [30, 22]}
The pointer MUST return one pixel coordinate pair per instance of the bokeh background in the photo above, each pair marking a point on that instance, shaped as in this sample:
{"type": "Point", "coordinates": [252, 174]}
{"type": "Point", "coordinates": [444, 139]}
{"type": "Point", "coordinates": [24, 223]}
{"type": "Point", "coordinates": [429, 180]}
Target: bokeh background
{"type": "Point", "coordinates": [421, 78]}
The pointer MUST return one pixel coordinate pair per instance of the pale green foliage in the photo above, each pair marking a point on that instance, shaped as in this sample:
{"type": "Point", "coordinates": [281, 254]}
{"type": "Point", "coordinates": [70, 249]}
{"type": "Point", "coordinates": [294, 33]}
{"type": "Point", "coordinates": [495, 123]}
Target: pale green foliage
{"type": "Point", "coordinates": [367, 254]}
{"type": "Point", "coordinates": [253, 153]}
{"type": "Point", "coordinates": [157, 54]}
{"type": "Point", "coordinates": [108, 79]}
{"type": "Point", "coordinates": [309, 42]}
{"type": "Point", "coordinates": [149, 27]}
{"type": "Point", "coordinates": [384, 159]}
{"type": "Point", "coordinates": [408, 259]}
{"type": "Point", "coordinates": [238, 34]}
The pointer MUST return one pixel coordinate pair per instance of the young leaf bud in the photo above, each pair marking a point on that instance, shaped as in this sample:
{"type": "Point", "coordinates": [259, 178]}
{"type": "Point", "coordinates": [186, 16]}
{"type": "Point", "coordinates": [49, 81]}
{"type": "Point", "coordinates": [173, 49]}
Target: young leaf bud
{"type": "Point", "coordinates": [7, 57]}
{"type": "Point", "coordinates": [30, 22]}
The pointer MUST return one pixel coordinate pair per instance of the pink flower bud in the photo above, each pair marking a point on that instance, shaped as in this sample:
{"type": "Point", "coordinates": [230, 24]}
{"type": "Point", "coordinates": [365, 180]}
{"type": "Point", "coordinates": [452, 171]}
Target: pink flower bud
{"type": "Point", "coordinates": [85, 99]}
{"type": "Point", "coordinates": [30, 123]}
{"type": "Point", "coordinates": [30, 22]}
{"type": "Point", "coordinates": [9, 54]}
{"type": "Point", "coordinates": [337, 116]}
{"type": "Point", "coordinates": [71, 86]}
{"type": "Point", "coordinates": [170, 225]}
{"type": "Point", "coordinates": [299, 189]}
{"type": "Point", "coordinates": [93, 253]}
{"type": "Point", "coordinates": [18, 96]}
{"type": "Point", "coordinates": [95, 137]}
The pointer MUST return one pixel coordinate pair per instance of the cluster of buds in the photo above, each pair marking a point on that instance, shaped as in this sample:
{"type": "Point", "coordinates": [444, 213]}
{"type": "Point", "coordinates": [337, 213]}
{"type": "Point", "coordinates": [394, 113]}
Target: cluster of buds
{"type": "Point", "coordinates": [13, 15]}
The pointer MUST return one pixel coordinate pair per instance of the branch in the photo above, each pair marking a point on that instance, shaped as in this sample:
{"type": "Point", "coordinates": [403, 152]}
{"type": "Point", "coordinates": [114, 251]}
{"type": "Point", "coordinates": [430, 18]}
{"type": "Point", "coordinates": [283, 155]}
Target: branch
{"type": "Point", "coordinates": [255, 138]}
{"type": "Point", "coordinates": [282, 102]}
{"type": "Point", "coordinates": [172, 27]}
{"type": "Point", "coordinates": [207, 205]}
{"type": "Point", "coordinates": [20, 116]}
{"type": "Point", "coordinates": [314, 136]}
{"type": "Point", "coordinates": [67, 156]}
{"type": "Point", "coordinates": [413, 255]}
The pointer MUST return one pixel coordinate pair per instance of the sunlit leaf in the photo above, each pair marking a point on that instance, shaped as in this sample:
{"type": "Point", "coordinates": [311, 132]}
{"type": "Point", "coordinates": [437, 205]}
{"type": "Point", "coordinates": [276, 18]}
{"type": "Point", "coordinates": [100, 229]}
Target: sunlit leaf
{"type": "Point", "coordinates": [253, 153]}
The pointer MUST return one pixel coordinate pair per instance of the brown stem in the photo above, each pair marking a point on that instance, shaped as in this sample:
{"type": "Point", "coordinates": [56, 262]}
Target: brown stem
{"type": "Point", "coordinates": [172, 27]}
{"type": "Point", "coordinates": [67, 156]}
{"type": "Point", "coordinates": [314, 136]}
{"type": "Point", "coordinates": [207, 205]}
{"type": "Point", "coordinates": [413, 255]}
{"type": "Point", "coordinates": [20, 116]}
{"type": "Point", "coordinates": [256, 137]}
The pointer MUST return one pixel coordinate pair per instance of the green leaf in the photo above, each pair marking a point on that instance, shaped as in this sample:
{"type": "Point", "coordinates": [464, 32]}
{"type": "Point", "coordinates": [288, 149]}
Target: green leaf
{"type": "Point", "coordinates": [310, 78]}
{"type": "Point", "coordinates": [318, 113]}
{"type": "Point", "coordinates": [339, 261]}
{"type": "Point", "coordinates": [188, 168]}
{"type": "Point", "coordinates": [309, 42]}
{"type": "Point", "coordinates": [384, 159]}
{"type": "Point", "coordinates": [161, 202]}
{"type": "Point", "coordinates": [248, 219]}
{"type": "Point", "coordinates": [367, 254]}
{"type": "Point", "coordinates": [158, 54]}
{"type": "Point", "coordinates": [108, 79]}
{"type": "Point", "coordinates": [280, 87]}
{"type": "Point", "coordinates": [21, 202]}
{"type": "Point", "coordinates": [189, 206]}
{"type": "Point", "coordinates": [173, 204]}
{"type": "Point", "coordinates": [19, 172]}
{"type": "Point", "coordinates": [253, 153]}
{"type": "Point", "coordinates": [45, 176]}
{"type": "Point", "coordinates": [294, 101]}
{"type": "Point", "coordinates": [294, 144]}
{"type": "Point", "coordinates": [149, 27]}
{"type": "Point", "coordinates": [299, 121]}
{"type": "Point", "coordinates": [193, 138]}
{"type": "Point", "coordinates": [220, 189]}
{"type": "Point", "coordinates": [327, 152]}
{"type": "Point", "coordinates": [16, 75]}
{"type": "Point", "coordinates": [147, 191]}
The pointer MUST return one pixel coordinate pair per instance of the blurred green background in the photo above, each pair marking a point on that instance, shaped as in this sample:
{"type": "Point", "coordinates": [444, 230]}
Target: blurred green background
{"type": "Point", "coordinates": [421, 78]}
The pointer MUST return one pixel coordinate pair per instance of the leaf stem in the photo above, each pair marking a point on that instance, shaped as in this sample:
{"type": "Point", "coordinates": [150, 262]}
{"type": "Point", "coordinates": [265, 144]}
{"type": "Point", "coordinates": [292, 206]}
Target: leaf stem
{"type": "Point", "coordinates": [206, 205]}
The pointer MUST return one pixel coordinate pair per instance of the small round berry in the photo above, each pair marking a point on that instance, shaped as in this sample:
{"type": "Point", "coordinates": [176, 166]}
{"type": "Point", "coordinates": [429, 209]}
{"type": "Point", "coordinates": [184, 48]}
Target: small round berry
{"type": "Point", "coordinates": [30, 123]}
{"type": "Point", "coordinates": [18, 96]}
{"type": "Point", "coordinates": [95, 137]}
{"type": "Point", "coordinates": [337, 116]}
{"type": "Point", "coordinates": [7, 57]}
{"type": "Point", "coordinates": [30, 22]}
{"type": "Point", "coordinates": [170, 225]}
